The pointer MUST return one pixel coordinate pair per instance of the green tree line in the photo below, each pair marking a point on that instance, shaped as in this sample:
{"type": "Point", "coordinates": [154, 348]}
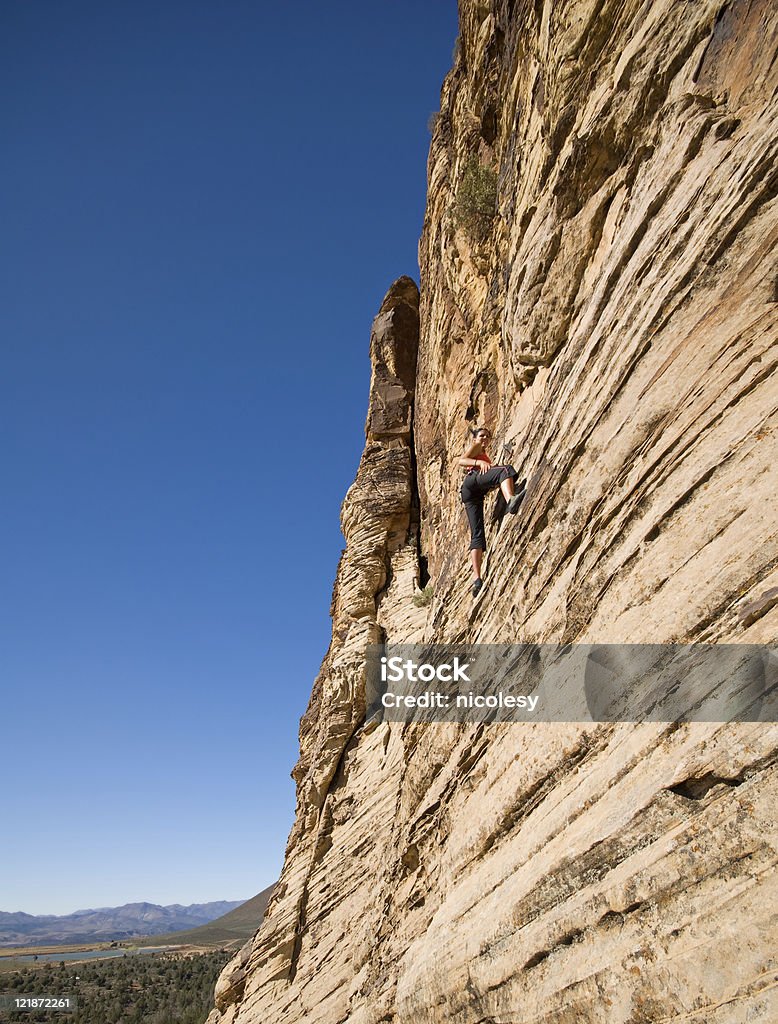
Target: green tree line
{"type": "Point", "coordinates": [144, 989]}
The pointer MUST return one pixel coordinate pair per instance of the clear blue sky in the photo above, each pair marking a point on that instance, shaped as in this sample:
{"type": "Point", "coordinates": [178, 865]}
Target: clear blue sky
{"type": "Point", "coordinates": [203, 205]}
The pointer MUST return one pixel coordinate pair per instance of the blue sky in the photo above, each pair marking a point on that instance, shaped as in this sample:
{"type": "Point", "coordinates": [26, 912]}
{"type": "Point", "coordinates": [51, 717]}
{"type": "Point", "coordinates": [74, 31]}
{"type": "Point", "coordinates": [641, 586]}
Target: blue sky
{"type": "Point", "coordinates": [203, 205]}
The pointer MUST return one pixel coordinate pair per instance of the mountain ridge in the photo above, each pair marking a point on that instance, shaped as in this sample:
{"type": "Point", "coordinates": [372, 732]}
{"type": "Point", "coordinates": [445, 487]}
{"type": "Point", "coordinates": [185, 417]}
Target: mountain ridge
{"type": "Point", "coordinates": [130, 920]}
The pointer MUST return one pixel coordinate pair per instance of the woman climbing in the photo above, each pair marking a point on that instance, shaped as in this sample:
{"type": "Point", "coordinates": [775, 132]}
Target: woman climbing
{"type": "Point", "coordinates": [480, 478]}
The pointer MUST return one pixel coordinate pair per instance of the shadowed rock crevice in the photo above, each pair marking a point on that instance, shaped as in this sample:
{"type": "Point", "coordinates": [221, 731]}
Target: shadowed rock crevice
{"type": "Point", "coordinates": [697, 789]}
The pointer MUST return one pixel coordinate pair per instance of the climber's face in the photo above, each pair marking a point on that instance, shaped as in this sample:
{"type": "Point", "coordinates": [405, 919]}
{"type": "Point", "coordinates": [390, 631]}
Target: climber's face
{"type": "Point", "coordinates": [484, 436]}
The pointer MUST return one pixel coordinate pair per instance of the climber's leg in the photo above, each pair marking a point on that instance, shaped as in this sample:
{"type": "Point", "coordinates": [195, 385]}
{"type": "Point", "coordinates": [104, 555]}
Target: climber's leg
{"type": "Point", "coordinates": [512, 496]}
{"type": "Point", "coordinates": [472, 494]}
{"type": "Point", "coordinates": [476, 557]}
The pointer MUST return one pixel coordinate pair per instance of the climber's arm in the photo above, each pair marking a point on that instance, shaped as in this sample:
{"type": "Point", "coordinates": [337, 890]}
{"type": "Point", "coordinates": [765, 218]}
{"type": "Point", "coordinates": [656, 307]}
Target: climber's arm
{"type": "Point", "coordinates": [470, 458]}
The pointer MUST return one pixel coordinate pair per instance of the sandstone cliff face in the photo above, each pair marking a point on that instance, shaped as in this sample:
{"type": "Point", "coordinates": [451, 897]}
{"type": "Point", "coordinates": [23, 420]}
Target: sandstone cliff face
{"type": "Point", "coordinates": [616, 325]}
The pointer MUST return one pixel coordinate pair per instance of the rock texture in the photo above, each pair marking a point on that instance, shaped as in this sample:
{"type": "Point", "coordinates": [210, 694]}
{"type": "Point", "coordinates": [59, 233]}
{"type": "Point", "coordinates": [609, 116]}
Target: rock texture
{"type": "Point", "coordinates": [617, 327]}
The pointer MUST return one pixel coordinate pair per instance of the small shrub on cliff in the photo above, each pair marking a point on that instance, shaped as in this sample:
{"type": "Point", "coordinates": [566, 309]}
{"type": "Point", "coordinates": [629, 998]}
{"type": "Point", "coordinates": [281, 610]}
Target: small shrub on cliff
{"type": "Point", "coordinates": [423, 597]}
{"type": "Point", "coordinates": [476, 200]}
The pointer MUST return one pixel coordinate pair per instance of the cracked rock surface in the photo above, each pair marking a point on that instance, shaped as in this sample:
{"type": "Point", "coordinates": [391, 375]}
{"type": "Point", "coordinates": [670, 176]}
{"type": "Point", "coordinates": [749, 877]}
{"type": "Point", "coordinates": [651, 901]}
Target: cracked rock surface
{"type": "Point", "coordinates": [616, 324]}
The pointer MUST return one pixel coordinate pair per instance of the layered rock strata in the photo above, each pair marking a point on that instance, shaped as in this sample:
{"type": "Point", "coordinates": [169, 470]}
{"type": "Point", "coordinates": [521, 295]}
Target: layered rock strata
{"type": "Point", "coordinates": [380, 522]}
{"type": "Point", "coordinates": [616, 324]}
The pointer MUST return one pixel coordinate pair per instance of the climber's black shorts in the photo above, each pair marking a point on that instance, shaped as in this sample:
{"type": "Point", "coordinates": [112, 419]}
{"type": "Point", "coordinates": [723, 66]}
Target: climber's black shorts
{"type": "Point", "coordinates": [473, 491]}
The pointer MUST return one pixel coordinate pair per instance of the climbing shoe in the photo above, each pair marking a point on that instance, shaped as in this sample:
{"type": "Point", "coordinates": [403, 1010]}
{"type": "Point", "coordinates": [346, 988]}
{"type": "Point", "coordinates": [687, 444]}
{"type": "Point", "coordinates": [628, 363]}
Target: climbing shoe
{"type": "Point", "coordinates": [476, 587]}
{"type": "Point", "coordinates": [515, 501]}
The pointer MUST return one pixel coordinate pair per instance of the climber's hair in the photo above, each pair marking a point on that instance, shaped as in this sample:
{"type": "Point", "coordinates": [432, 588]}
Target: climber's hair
{"type": "Point", "coordinates": [475, 431]}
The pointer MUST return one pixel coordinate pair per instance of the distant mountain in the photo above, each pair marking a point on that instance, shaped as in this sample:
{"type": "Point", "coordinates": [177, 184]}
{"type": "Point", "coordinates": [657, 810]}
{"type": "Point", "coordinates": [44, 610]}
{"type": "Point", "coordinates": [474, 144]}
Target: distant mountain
{"type": "Point", "coordinates": [228, 932]}
{"type": "Point", "coordinates": [108, 923]}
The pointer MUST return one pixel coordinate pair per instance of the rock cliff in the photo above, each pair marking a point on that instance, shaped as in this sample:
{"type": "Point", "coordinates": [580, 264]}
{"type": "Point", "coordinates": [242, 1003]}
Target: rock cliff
{"type": "Point", "coordinates": [599, 284]}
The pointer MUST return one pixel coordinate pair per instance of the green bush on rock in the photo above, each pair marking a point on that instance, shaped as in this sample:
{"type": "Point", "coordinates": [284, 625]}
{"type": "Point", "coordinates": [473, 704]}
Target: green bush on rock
{"type": "Point", "coordinates": [476, 200]}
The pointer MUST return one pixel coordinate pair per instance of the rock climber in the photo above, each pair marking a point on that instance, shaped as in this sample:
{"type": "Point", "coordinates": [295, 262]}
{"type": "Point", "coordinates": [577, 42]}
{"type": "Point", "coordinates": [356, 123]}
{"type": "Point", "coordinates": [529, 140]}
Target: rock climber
{"type": "Point", "coordinates": [480, 478]}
